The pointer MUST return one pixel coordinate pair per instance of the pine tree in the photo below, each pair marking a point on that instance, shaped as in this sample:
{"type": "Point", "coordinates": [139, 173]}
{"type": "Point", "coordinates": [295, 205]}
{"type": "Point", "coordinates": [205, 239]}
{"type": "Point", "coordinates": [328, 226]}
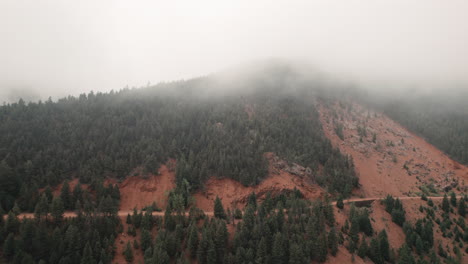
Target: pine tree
{"type": "Point", "coordinates": [252, 200]}
{"type": "Point", "coordinates": [203, 248]}
{"type": "Point", "coordinates": [384, 245]}
{"type": "Point", "coordinates": [145, 239]}
{"type": "Point", "coordinates": [16, 209]}
{"type": "Point", "coordinates": [328, 211]}
{"type": "Point", "coordinates": [9, 246]}
{"type": "Point", "coordinates": [453, 199]}
{"type": "Point", "coordinates": [193, 240]}
{"type": "Point", "coordinates": [445, 204]}
{"type": "Point", "coordinates": [419, 245]}
{"type": "Point", "coordinates": [363, 249]}
{"type": "Point", "coordinates": [249, 219]}
{"type": "Point", "coordinates": [374, 251]}
{"type": "Point", "coordinates": [12, 223]}
{"type": "Point", "coordinates": [296, 256]}
{"type": "Point", "coordinates": [87, 255]}
{"type": "Point", "coordinates": [42, 207]}
{"type": "Point", "coordinates": [129, 219]}
{"type": "Point", "coordinates": [48, 193]}
{"type": "Point", "coordinates": [65, 196]}
{"type": "Point", "coordinates": [353, 235]}
{"type": "Point", "coordinates": [2, 212]}
{"type": "Point", "coordinates": [462, 207]}
{"type": "Point", "coordinates": [262, 252]}
{"type": "Point", "coordinates": [57, 209]}
{"type": "Point", "coordinates": [333, 242]}
{"type": "Point", "coordinates": [128, 252]}
{"type": "Point", "coordinates": [278, 250]}
{"type": "Point", "coordinates": [405, 256]}
{"type": "Point", "coordinates": [211, 253]}
{"type": "Point", "coordinates": [339, 202]}
{"type": "Point", "coordinates": [77, 193]}
{"type": "Point", "coordinates": [322, 249]}
{"type": "Point", "coordinates": [221, 239]}
{"type": "Point", "coordinates": [398, 216]}
{"type": "Point", "coordinates": [219, 209]}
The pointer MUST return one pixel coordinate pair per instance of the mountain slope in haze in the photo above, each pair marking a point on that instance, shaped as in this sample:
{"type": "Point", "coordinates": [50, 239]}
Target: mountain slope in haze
{"type": "Point", "coordinates": [243, 165]}
{"type": "Point", "coordinates": [388, 158]}
{"type": "Point", "coordinates": [201, 123]}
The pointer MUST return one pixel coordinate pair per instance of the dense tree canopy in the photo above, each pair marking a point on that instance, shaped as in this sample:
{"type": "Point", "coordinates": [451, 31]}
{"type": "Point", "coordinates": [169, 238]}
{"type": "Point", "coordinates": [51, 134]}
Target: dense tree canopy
{"type": "Point", "coordinates": [134, 131]}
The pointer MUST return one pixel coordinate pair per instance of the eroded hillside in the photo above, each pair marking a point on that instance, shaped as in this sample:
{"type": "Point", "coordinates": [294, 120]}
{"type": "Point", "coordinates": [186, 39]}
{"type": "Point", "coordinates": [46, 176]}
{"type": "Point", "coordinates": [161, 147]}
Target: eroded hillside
{"type": "Point", "coordinates": [388, 158]}
{"type": "Point", "coordinates": [281, 178]}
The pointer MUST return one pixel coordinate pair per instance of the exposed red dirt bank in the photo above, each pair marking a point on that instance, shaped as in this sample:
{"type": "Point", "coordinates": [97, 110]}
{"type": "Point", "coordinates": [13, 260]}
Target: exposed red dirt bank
{"type": "Point", "coordinates": [140, 191]}
{"type": "Point", "coordinates": [234, 195]}
{"type": "Point", "coordinates": [397, 162]}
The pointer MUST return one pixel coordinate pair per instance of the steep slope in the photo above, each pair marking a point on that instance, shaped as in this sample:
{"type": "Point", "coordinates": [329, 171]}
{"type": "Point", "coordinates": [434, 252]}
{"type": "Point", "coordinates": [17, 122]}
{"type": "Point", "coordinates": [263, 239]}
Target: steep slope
{"type": "Point", "coordinates": [281, 178]}
{"type": "Point", "coordinates": [416, 209]}
{"type": "Point", "coordinates": [138, 192]}
{"type": "Point", "coordinates": [388, 158]}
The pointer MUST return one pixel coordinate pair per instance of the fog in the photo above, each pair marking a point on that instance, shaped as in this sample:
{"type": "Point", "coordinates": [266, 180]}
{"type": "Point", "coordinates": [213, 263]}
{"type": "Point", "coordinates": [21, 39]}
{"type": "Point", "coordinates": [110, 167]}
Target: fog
{"type": "Point", "coordinates": [57, 48]}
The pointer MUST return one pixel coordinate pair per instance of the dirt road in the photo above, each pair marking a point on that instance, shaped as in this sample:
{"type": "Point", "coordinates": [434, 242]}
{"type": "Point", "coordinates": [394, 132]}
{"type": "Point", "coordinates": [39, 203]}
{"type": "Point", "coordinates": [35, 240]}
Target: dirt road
{"type": "Point", "coordinates": [124, 213]}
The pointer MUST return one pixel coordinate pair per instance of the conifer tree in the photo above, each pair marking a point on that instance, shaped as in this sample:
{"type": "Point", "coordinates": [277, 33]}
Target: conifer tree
{"type": "Point", "coordinates": [278, 250]}
{"type": "Point", "coordinates": [262, 252]}
{"type": "Point", "coordinates": [419, 245]}
{"type": "Point", "coordinates": [462, 207]}
{"type": "Point", "coordinates": [339, 202]}
{"type": "Point", "coordinates": [12, 223]}
{"type": "Point", "coordinates": [453, 199]}
{"type": "Point", "coordinates": [145, 240]}
{"type": "Point", "coordinates": [87, 255]}
{"type": "Point", "coordinates": [211, 253]}
{"type": "Point", "coordinates": [249, 219]}
{"type": "Point", "coordinates": [322, 248]}
{"type": "Point", "coordinates": [221, 239]}
{"type": "Point", "coordinates": [9, 246]}
{"type": "Point", "coordinates": [193, 240]}
{"type": "Point", "coordinates": [42, 207]}
{"type": "Point", "coordinates": [354, 235]}
{"type": "Point", "coordinates": [363, 249]}
{"type": "Point", "coordinates": [374, 251]}
{"type": "Point", "coordinates": [219, 209]}
{"type": "Point", "coordinates": [128, 252]}
{"type": "Point", "coordinates": [445, 204]}
{"type": "Point", "coordinates": [57, 209]}
{"type": "Point", "coordinates": [384, 245]}
{"type": "Point", "coordinates": [252, 200]}
{"type": "Point", "coordinates": [296, 256]}
{"type": "Point", "coordinates": [333, 242]}
{"type": "Point", "coordinates": [65, 195]}
{"type": "Point", "coordinates": [405, 256]}
{"type": "Point", "coordinates": [48, 193]}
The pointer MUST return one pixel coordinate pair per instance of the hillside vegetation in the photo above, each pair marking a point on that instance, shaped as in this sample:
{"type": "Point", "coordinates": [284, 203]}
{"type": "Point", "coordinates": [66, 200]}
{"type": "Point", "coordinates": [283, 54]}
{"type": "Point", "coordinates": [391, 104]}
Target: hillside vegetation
{"type": "Point", "coordinates": [208, 132]}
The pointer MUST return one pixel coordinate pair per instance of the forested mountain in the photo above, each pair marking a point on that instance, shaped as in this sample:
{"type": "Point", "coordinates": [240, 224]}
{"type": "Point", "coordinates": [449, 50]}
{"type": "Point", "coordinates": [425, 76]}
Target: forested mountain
{"type": "Point", "coordinates": [215, 126]}
{"type": "Point", "coordinates": [212, 126]}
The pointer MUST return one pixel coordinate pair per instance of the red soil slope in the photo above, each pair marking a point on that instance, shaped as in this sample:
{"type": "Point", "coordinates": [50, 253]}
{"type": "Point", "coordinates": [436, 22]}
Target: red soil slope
{"type": "Point", "coordinates": [138, 191]}
{"type": "Point", "coordinates": [398, 162]}
{"type": "Point", "coordinates": [234, 195]}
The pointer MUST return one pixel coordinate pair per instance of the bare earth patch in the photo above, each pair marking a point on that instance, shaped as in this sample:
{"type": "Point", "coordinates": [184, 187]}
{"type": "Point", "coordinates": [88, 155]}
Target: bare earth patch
{"type": "Point", "coordinates": [234, 195]}
{"type": "Point", "coordinates": [138, 191]}
{"type": "Point", "coordinates": [394, 161]}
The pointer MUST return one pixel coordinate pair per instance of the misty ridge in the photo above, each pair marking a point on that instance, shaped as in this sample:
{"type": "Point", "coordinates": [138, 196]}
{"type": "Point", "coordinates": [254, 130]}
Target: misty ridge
{"type": "Point", "coordinates": [278, 78]}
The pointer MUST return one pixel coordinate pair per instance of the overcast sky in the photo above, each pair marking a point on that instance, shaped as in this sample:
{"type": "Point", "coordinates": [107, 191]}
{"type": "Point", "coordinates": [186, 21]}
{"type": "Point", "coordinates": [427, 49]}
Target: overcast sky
{"type": "Point", "coordinates": [68, 47]}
